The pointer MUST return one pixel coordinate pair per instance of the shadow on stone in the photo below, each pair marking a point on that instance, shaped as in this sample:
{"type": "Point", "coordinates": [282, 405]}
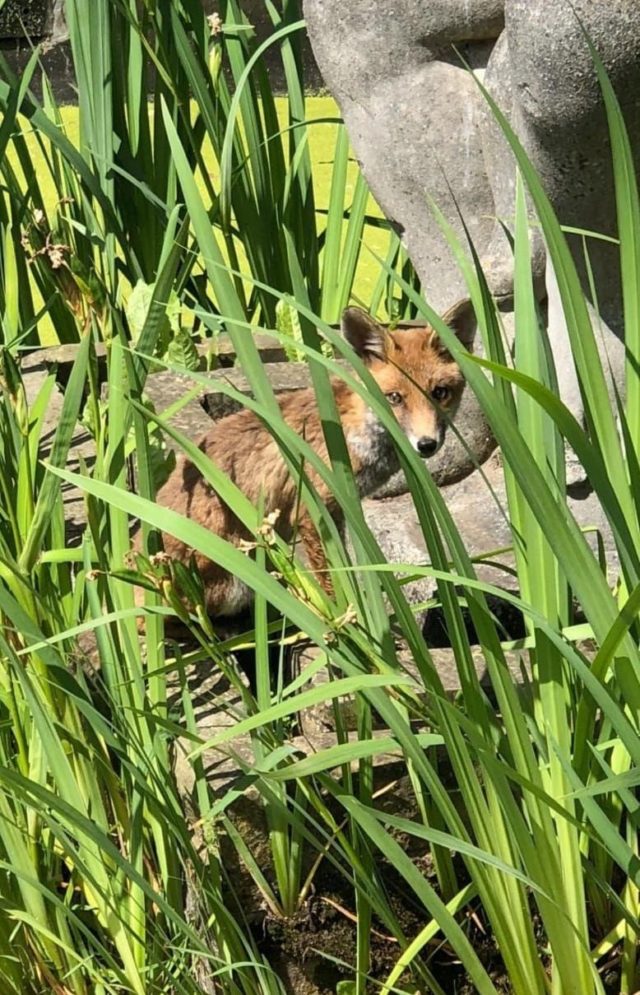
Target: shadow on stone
{"type": "Point", "coordinates": [509, 619]}
{"type": "Point", "coordinates": [199, 680]}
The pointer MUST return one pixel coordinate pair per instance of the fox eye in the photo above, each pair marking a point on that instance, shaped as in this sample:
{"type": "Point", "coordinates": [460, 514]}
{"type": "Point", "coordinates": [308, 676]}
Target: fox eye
{"type": "Point", "coordinates": [440, 393]}
{"type": "Point", "coordinates": [394, 398]}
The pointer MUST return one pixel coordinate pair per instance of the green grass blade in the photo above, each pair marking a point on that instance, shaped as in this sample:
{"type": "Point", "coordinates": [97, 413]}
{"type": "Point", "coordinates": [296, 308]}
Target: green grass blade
{"type": "Point", "coordinates": [589, 368]}
{"type": "Point", "coordinates": [62, 442]}
{"type": "Point", "coordinates": [628, 217]}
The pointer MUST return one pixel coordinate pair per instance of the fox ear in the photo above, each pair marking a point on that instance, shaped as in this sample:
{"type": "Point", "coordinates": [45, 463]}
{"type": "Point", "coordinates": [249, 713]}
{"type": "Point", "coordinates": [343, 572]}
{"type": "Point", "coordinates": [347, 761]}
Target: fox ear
{"type": "Point", "coordinates": [461, 318]}
{"type": "Point", "coordinates": [364, 335]}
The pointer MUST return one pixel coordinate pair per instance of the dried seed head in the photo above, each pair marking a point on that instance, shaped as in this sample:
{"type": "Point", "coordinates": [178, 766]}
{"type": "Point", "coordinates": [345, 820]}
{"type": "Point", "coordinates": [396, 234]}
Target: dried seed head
{"type": "Point", "coordinates": [215, 23]}
{"type": "Point", "coordinates": [159, 559]}
{"type": "Point", "coordinates": [267, 530]}
{"type": "Point", "coordinates": [56, 254]}
{"type": "Point", "coordinates": [246, 546]}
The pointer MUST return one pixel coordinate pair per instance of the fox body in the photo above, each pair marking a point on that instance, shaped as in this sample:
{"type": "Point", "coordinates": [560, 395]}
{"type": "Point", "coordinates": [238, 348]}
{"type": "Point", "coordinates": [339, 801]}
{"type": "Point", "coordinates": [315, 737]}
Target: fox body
{"type": "Point", "coordinates": [423, 385]}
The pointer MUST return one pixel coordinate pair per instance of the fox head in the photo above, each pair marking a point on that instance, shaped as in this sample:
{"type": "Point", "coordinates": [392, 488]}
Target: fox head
{"type": "Point", "coordinates": [413, 368]}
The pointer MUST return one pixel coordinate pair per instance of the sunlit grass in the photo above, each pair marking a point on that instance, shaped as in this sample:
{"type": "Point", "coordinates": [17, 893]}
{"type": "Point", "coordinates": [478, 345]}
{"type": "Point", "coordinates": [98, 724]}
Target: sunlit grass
{"type": "Point", "coordinates": [523, 799]}
{"type": "Point", "coordinates": [322, 139]}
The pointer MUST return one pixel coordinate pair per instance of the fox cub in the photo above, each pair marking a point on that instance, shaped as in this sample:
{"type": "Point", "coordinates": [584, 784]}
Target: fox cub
{"type": "Point", "coordinates": [423, 385]}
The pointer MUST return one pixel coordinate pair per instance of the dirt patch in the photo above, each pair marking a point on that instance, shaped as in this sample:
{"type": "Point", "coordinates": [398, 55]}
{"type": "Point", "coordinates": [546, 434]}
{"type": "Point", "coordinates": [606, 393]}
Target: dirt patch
{"type": "Point", "coordinates": [321, 939]}
{"type": "Point", "coordinates": [315, 949]}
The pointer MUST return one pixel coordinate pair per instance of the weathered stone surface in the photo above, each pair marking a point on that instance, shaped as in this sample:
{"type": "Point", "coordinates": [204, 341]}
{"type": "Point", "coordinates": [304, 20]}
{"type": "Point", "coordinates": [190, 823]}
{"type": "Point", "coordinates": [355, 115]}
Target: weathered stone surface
{"type": "Point", "coordinates": [194, 419]}
{"type": "Point", "coordinates": [460, 20]}
{"type": "Point", "coordinates": [561, 119]}
{"type": "Point", "coordinates": [415, 119]}
{"type": "Point", "coordinates": [30, 18]}
{"type": "Point", "coordinates": [499, 161]}
{"type": "Point", "coordinates": [164, 389]}
{"type": "Point", "coordinates": [414, 116]}
{"type": "Point", "coordinates": [392, 522]}
{"type": "Point", "coordinates": [220, 350]}
{"type": "Point", "coordinates": [319, 721]}
{"type": "Point", "coordinates": [550, 60]}
{"type": "Point", "coordinates": [365, 26]}
{"type": "Point", "coordinates": [478, 507]}
{"type": "Point", "coordinates": [414, 122]}
{"type": "Point", "coordinates": [282, 376]}
{"type": "Point", "coordinates": [56, 62]}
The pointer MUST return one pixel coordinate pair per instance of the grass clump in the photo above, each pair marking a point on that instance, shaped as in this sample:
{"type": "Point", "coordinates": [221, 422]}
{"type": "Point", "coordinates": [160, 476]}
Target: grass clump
{"type": "Point", "coordinates": [522, 820]}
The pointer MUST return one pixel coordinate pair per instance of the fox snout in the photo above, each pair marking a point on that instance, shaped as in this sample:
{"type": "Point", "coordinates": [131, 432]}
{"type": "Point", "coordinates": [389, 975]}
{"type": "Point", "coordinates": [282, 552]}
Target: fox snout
{"type": "Point", "coordinates": [427, 436]}
{"type": "Point", "coordinates": [428, 446]}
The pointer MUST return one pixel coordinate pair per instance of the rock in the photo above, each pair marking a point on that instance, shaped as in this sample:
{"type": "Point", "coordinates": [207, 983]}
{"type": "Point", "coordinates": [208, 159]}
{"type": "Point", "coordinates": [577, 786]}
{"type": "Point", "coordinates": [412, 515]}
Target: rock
{"type": "Point", "coordinates": [461, 20]}
{"type": "Point", "coordinates": [552, 68]}
{"type": "Point", "coordinates": [562, 116]}
{"type": "Point", "coordinates": [219, 352]}
{"type": "Point", "coordinates": [610, 348]}
{"type": "Point", "coordinates": [366, 27]}
{"type": "Point", "coordinates": [497, 257]}
{"type": "Point", "coordinates": [166, 388]}
{"type": "Point", "coordinates": [477, 505]}
{"type": "Point", "coordinates": [319, 722]}
{"type": "Point", "coordinates": [559, 114]}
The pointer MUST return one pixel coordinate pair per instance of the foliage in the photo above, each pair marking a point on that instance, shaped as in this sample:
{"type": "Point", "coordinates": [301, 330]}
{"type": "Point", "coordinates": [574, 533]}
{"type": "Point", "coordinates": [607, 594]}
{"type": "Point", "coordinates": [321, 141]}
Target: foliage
{"type": "Point", "coordinates": [525, 796]}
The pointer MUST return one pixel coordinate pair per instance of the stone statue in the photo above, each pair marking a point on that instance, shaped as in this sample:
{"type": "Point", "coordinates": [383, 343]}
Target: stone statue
{"type": "Point", "coordinates": [420, 128]}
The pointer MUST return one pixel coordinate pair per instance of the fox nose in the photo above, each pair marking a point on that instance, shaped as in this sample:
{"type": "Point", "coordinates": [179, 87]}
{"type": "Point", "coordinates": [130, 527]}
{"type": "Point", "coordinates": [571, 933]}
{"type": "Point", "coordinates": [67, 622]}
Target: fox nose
{"type": "Point", "coordinates": [427, 446]}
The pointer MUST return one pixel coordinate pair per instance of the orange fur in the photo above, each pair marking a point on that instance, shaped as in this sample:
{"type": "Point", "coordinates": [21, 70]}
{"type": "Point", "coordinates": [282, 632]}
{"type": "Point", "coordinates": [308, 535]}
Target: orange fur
{"type": "Point", "coordinates": [410, 363]}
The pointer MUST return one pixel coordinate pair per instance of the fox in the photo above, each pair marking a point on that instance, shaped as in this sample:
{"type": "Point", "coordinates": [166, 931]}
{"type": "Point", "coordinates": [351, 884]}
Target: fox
{"type": "Point", "coordinates": [421, 382]}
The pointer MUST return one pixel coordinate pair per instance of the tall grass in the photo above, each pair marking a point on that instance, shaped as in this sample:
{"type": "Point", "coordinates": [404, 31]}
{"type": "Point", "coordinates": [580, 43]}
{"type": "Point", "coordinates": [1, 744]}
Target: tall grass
{"type": "Point", "coordinates": [525, 796]}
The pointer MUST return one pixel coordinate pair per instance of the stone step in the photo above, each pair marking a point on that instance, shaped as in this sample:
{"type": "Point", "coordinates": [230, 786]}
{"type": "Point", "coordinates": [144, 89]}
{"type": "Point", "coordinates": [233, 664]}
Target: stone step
{"type": "Point", "coordinates": [270, 348]}
{"type": "Point", "coordinates": [319, 720]}
{"type": "Point", "coordinates": [165, 387]}
{"type": "Point", "coordinates": [63, 356]}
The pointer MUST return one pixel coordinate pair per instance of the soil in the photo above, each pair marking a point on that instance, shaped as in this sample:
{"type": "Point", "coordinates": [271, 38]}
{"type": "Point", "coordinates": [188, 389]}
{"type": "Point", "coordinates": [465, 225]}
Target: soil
{"type": "Point", "coordinates": [315, 949]}
{"type": "Point", "coordinates": [322, 936]}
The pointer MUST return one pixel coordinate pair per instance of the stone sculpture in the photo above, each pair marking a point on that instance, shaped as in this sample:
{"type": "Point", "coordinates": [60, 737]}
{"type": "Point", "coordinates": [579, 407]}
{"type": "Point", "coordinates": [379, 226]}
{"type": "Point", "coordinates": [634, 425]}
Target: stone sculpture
{"type": "Point", "coordinates": [420, 128]}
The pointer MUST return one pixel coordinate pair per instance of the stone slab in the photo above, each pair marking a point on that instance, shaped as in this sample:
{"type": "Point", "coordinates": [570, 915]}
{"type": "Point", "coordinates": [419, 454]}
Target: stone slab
{"type": "Point", "coordinates": [478, 507]}
{"type": "Point", "coordinates": [222, 348]}
{"type": "Point", "coordinates": [319, 721]}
